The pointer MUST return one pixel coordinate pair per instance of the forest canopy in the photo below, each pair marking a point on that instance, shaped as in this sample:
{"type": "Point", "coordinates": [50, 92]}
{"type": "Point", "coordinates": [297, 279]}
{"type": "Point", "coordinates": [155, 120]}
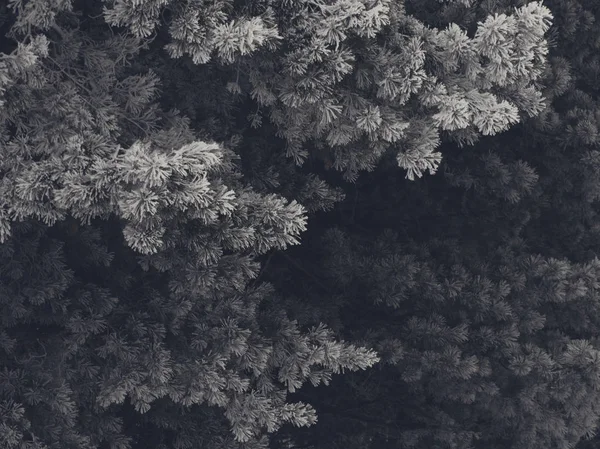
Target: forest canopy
{"type": "Point", "coordinates": [299, 224]}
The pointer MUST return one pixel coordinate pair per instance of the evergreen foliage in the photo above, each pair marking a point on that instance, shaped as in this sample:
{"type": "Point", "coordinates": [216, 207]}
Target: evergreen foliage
{"type": "Point", "coordinates": [493, 352]}
{"type": "Point", "coordinates": [206, 240]}
{"type": "Point", "coordinates": [510, 224]}
{"type": "Point", "coordinates": [164, 321]}
{"type": "Point", "coordinates": [352, 79]}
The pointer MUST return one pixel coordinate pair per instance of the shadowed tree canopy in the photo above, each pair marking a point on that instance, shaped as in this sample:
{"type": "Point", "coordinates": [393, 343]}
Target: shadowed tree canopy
{"type": "Point", "coordinates": [299, 224]}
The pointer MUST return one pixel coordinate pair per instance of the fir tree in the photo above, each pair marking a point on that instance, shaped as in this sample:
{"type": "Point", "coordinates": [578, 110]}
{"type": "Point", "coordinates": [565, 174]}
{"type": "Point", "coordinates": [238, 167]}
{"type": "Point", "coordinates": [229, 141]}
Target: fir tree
{"type": "Point", "coordinates": [358, 78]}
{"type": "Point", "coordinates": [132, 313]}
{"type": "Point", "coordinates": [495, 351]}
{"type": "Point", "coordinates": [510, 225]}
{"type": "Point", "coordinates": [148, 153]}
